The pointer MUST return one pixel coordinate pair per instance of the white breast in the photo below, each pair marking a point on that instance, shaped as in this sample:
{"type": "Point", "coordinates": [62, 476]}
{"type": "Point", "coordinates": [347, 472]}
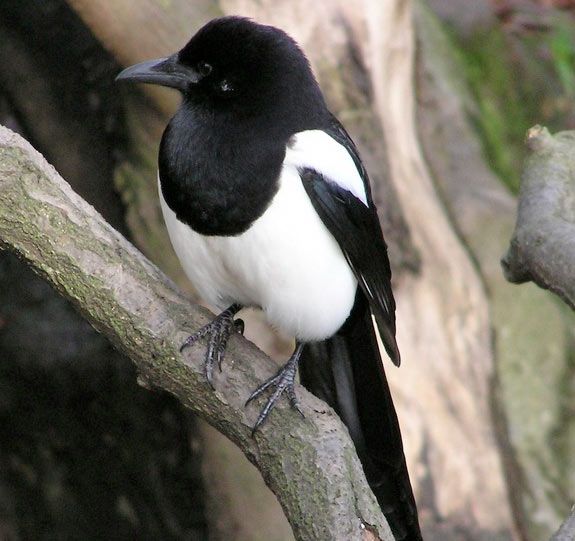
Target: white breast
{"type": "Point", "coordinates": [287, 263]}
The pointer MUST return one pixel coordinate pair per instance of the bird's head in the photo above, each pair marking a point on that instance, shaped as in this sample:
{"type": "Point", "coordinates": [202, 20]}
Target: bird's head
{"type": "Point", "coordinates": [233, 64]}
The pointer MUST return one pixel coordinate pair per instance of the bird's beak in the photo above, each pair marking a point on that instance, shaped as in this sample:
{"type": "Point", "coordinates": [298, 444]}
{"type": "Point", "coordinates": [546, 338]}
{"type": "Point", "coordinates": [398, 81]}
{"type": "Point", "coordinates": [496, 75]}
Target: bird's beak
{"type": "Point", "coordinates": [162, 71]}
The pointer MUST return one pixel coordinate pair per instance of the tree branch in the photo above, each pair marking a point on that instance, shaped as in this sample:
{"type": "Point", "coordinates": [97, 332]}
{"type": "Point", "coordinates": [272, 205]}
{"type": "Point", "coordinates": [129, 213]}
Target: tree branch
{"type": "Point", "coordinates": [542, 248]}
{"type": "Point", "coordinates": [311, 465]}
{"type": "Point", "coordinates": [567, 530]}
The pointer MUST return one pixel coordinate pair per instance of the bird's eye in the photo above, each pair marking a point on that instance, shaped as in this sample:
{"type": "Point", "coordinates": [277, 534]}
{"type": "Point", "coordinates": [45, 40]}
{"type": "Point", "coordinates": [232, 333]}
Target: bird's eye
{"type": "Point", "coordinates": [204, 69]}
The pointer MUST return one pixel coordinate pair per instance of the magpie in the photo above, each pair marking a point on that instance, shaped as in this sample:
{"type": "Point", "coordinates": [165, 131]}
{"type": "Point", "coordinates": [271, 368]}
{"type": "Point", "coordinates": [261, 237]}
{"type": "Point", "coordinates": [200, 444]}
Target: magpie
{"type": "Point", "coordinates": [268, 205]}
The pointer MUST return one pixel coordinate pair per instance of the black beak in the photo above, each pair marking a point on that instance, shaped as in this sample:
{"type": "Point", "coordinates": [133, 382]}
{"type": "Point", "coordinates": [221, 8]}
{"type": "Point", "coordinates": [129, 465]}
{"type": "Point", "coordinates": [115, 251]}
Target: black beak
{"type": "Point", "coordinates": [162, 71]}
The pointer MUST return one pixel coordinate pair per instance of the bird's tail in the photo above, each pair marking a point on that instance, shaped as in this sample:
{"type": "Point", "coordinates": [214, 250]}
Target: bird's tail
{"type": "Point", "coordinates": [347, 372]}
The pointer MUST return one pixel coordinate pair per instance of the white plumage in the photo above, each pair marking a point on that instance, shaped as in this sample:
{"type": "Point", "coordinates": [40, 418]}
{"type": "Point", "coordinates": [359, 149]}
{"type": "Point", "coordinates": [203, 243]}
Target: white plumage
{"type": "Point", "coordinates": [287, 263]}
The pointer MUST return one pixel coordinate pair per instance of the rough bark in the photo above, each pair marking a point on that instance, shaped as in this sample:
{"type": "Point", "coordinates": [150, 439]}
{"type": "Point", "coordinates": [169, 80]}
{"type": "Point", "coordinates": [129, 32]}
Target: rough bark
{"type": "Point", "coordinates": [542, 248]}
{"type": "Point", "coordinates": [310, 465]}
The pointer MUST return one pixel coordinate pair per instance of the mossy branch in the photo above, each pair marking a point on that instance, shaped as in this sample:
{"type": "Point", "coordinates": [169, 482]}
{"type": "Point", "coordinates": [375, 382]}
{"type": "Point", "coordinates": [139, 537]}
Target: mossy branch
{"type": "Point", "coordinates": [542, 248]}
{"type": "Point", "coordinates": [310, 464]}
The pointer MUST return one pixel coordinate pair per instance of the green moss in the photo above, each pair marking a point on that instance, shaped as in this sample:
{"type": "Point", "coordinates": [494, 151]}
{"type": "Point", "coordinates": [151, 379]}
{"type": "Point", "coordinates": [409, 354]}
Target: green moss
{"type": "Point", "coordinates": [505, 108]}
{"type": "Point", "coordinates": [518, 80]}
{"type": "Point", "coordinates": [562, 48]}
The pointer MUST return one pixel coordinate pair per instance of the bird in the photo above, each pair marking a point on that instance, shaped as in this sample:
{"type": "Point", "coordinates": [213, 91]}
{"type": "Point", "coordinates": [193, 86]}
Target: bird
{"type": "Point", "coordinates": [268, 205]}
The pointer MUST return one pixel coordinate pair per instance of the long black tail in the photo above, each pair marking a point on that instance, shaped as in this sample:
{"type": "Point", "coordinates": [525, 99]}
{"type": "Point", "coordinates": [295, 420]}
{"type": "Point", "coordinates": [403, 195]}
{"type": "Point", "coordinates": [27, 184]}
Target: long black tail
{"type": "Point", "coordinates": [347, 372]}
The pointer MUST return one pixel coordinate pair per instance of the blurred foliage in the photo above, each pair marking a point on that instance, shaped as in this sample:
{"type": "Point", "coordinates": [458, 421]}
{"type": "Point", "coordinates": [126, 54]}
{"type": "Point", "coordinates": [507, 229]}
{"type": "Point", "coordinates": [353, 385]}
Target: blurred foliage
{"type": "Point", "coordinates": [505, 109]}
{"type": "Point", "coordinates": [521, 73]}
{"type": "Point", "coordinates": [562, 46]}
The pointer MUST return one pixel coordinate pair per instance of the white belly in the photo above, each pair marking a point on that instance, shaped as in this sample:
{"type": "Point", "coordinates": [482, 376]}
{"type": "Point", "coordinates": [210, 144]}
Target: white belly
{"type": "Point", "coordinates": [287, 263]}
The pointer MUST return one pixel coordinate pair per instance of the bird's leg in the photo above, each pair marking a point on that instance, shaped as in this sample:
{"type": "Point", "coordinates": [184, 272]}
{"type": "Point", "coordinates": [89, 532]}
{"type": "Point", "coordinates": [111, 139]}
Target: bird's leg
{"type": "Point", "coordinates": [284, 380]}
{"type": "Point", "coordinates": [219, 330]}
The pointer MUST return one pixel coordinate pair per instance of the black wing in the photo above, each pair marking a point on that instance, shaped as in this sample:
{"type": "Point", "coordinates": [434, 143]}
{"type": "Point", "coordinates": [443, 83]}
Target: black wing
{"type": "Point", "coordinates": [356, 229]}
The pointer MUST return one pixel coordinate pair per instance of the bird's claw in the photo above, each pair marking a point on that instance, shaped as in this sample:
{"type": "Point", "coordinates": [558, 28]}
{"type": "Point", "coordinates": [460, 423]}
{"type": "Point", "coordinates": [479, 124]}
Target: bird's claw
{"type": "Point", "coordinates": [219, 331]}
{"type": "Point", "coordinates": [240, 326]}
{"type": "Point", "coordinates": [283, 381]}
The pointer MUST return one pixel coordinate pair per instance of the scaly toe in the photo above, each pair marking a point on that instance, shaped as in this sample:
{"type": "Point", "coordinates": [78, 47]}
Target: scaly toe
{"type": "Point", "coordinates": [262, 388]}
{"type": "Point", "coordinates": [219, 330]}
{"type": "Point", "coordinates": [283, 381]}
{"type": "Point", "coordinates": [193, 338]}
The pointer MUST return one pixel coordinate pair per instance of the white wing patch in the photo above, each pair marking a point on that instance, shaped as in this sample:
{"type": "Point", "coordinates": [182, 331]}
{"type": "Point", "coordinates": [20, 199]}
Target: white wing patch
{"type": "Point", "coordinates": [315, 149]}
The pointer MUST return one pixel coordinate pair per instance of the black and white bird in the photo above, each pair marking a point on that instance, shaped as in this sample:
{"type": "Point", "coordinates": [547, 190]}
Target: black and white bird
{"type": "Point", "coordinates": [268, 205]}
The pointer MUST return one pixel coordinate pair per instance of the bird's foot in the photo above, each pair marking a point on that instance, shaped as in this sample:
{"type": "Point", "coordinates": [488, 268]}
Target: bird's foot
{"type": "Point", "coordinates": [282, 382]}
{"type": "Point", "coordinates": [218, 331]}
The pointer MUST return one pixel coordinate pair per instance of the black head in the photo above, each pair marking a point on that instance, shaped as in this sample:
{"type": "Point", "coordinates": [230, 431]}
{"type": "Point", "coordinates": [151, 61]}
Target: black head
{"type": "Point", "coordinates": [235, 66]}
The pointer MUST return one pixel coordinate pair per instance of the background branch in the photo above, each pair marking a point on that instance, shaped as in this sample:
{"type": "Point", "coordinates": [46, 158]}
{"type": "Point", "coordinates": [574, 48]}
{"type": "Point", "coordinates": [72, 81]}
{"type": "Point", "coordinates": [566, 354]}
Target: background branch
{"type": "Point", "coordinates": [311, 465]}
{"type": "Point", "coordinates": [567, 530]}
{"type": "Point", "coordinates": [542, 248]}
